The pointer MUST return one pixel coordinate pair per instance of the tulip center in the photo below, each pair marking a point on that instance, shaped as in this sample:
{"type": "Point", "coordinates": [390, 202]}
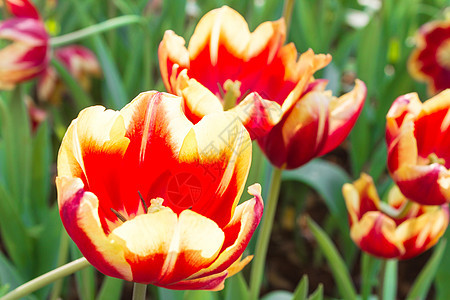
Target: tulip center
{"type": "Point", "coordinates": [232, 93]}
{"type": "Point", "coordinates": [443, 54]}
{"type": "Point", "coordinates": [433, 159]}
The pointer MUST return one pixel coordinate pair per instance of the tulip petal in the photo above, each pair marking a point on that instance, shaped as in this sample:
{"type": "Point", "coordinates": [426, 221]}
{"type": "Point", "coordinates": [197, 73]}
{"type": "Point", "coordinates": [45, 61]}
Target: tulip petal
{"type": "Point", "coordinates": [421, 233]}
{"type": "Point", "coordinates": [179, 246]}
{"type": "Point", "coordinates": [237, 235]}
{"type": "Point", "coordinates": [344, 112]}
{"type": "Point", "coordinates": [411, 179]}
{"type": "Point", "coordinates": [173, 57]}
{"type": "Point", "coordinates": [223, 154]}
{"type": "Point", "coordinates": [22, 9]}
{"type": "Point", "coordinates": [375, 233]}
{"type": "Point", "coordinates": [198, 101]}
{"type": "Point", "coordinates": [79, 214]}
{"type": "Point", "coordinates": [213, 282]}
{"type": "Point", "coordinates": [258, 115]}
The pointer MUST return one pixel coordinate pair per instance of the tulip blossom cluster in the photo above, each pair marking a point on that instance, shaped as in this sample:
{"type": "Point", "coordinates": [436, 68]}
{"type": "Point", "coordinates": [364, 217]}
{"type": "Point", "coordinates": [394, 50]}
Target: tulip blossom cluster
{"type": "Point", "coordinates": [430, 60]}
{"type": "Point", "coordinates": [416, 214]}
{"type": "Point", "coordinates": [382, 235]}
{"type": "Point", "coordinates": [150, 197]}
{"type": "Point", "coordinates": [28, 54]}
{"type": "Point", "coordinates": [276, 96]}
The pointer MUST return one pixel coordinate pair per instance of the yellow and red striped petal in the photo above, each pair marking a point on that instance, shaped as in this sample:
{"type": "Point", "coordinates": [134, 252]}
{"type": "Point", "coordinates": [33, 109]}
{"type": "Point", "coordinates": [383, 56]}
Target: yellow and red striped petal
{"type": "Point", "coordinates": [344, 111]}
{"type": "Point", "coordinates": [258, 115]}
{"type": "Point", "coordinates": [238, 233]}
{"type": "Point", "coordinates": [379, 234]}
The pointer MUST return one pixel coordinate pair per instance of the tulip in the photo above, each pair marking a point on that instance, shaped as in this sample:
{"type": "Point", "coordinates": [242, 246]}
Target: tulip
{"type": "Point", "coordinates": [81, 64]}
{"type": "Point", "coordinates": [150, 197]}
{"type": "Point", "coordinates": [316, 124]}
{"type": "Point", "coordinates": [225, 58]}
{"type": "Point", "coordinates": [430, 60]}
{"type": "Point", "coordinates": [384, 236]}
{"type": "Point", "coordinates": [28, 53]}
{"type": "Point", "coordinates": [269, 84]}
{"type": "Point", "coordinates": [418, 155]}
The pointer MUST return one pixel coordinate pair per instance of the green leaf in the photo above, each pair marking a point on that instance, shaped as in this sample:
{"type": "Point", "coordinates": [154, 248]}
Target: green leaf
{"type": "Point", "coordinates": [111, 289]}
{"type": "Point", "coordinates": [236, 287]}
{"type": "Point", "coordinates": [317, 294]}
{"type": "Point", "coordinates": [40, 176]}
{"type": "Point", "coordinates": [325, 178]}
{"type": "Point", "coordinates": [422, 284]}
{"type": "Point", "coordinates": [340, 273]}
{"type": "Point", "coordinates": [301, 292]}
{"type": "Point", "coordinates": [278, 295]}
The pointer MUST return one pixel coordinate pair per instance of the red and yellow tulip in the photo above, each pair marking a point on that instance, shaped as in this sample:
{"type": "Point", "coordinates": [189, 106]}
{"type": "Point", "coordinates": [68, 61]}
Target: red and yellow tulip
{"type": "Point", "coordinates": [272, 84]}
{"type": "Point", "coordinates": [381, 235]}
{"type": "Point", "coordinates": [152, 198]}
{"type": "Point", "coordinates": [81, 64]}
{"type": "Point", "coordinates": [316, 124]}
{"type": "Point", "coordinates": [417, 136]}
{"type": "Point", "coordinates": [430, 60]}
{"type": "Point", "coordinates": [28, 53]}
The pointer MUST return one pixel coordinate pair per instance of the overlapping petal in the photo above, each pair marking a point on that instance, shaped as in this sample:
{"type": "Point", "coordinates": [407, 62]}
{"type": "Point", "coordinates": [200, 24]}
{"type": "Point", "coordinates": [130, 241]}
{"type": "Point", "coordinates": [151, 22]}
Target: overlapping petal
{"type": "Point", "coordinates": [430, 60]}
{"type": "Point", "coordinates": [384, 236]}
{"type": "Point", "coordinates": [315, 125]}
{"type": "Point", "coordinates": [28, 53]}
{"type": "Point", "coordinates": [189, 234]}
{"type": "Point", "coordinates": [418, 136]}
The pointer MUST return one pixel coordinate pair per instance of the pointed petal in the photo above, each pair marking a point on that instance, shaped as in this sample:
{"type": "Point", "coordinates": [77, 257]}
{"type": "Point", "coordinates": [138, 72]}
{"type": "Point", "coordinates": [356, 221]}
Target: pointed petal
{"type": "Point", "coordinates": [344, 112]}
{"type": "Point", "coordinates": [79, 214]}
{"type": "Point", "coordinates": [173, 57]}
{"type": "Point", "coordinates": [258, 115]}
{"type": "Point", "coordinates": [237, 235]}
{"type": "Point", "coordinates": [22, 9]}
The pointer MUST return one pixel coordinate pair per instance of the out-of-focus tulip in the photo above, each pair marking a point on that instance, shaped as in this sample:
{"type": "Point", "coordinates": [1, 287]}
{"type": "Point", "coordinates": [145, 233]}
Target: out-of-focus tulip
{"type": "Point", "coordinates": [384, 236]}
{"type": "Point", "coordinates": [149, 197]}
{"type": "Point", "coordinates": [316, 124]}
{"type": "Point", "coordinates": [28, 53]}
{"type": "Point", "coordinates": [430, 61]}
{"type": "Point", "coordinates": [37, 115]}
{"type": "Point", "coordinates": [417, 136]}
{"type": "Point", "coordinates": [81, 64]}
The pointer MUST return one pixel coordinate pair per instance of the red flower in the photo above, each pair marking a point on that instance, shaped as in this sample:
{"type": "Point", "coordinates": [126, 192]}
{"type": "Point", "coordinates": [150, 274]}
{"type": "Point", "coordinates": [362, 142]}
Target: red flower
{"type": "Point", "coordinates": [28, 54]}
{"type": "Point", "coordinates": [417, 136]}
{"type": "Point", "coordinates": [383, 236]}
{"type": "Point", "coordinates": [430, 61]}
{"type": "Point", "coordinates": [149, 197]}
{"type": "Point", "coordinates": [81, 64]}
{"type": "Point", "coordinates": [223, 50]}
{"type": "Point", "coordinates": [316, 124]}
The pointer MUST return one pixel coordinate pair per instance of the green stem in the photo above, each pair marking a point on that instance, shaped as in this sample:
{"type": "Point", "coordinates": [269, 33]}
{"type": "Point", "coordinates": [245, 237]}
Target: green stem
{"type": "Point", "coordinates": [139, 291]}
{"type": "Point", "coordinates": [94, 29]}
{"type": "Point", "coordinates": [47, 278]}
{"type": "Point", "coordinates": [287, 13]}
{"type": "Point", "coordinates": [262, 242]}
{"type": "Point", "coordinates": [62, 258]}
{"type": "Point", "coordinates": [80, 96]}
{"type": "Point", "coordinates": [399, 213]}
{"type": "Point", "coordinates": [387, 289]}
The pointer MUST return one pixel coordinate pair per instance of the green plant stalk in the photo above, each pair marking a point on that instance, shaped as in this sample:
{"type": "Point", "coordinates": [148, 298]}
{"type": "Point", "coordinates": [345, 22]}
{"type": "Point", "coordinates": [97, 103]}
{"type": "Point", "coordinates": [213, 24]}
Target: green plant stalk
{"type": "Point", "coordinates": [94, 29]}
{"type": "Point", "coordinates": [262, 242]}
{"type": "Point", "coordinates": [287, 13]}
{"type": "Point", "coordinates": [62, 258]}
{"type": "Point", "coordinates": [47, 278]}
{"type": "Point", "coordinates": [388, 280]}
{"type": "Point", "coordinates": [139, 291]}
